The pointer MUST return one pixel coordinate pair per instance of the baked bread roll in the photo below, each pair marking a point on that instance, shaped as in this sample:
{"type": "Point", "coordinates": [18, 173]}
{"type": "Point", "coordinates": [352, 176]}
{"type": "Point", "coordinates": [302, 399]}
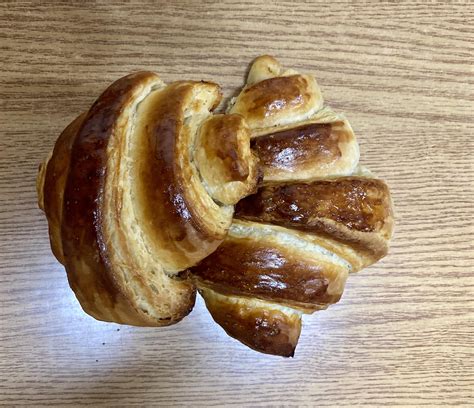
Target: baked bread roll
{"type": "Point", "coordinates": [140, 188]}
{"type": "Point", "coordinates": [316, 218]}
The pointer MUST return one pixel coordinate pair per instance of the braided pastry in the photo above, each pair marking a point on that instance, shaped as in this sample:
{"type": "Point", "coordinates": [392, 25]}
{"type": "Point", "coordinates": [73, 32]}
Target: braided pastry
{"type": "Point", "coordinates": [316, 218]}
{"type": "Point", "coordinates": [139, 188]}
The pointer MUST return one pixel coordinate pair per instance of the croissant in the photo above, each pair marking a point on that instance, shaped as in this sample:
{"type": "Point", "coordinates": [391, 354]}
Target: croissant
{"type": "Point", "coordinates": [140, 188]}
{"type": "Point", "coordinates": [317, 217]}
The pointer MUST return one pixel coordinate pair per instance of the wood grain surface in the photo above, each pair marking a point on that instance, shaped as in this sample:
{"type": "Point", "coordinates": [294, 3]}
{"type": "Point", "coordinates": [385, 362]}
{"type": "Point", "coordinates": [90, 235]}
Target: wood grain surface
{"type": "Point", "coordinates": [403, 333]}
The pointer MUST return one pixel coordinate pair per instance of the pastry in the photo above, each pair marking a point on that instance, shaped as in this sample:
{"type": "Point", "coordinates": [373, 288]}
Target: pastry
{"type": "Point", "coordinates": [150, 195]}
{"type": "Point", "coordinates": [316, 218]}
{"type": "Point", "coordinates": [140, 188]}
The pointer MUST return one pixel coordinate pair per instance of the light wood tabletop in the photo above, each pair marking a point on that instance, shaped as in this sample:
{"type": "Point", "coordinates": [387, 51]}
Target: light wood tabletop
{"type": "Point", "coordinates": [403, 333]}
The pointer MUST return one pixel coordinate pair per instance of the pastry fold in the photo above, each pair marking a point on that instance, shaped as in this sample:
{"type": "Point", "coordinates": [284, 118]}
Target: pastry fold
{"type": "Point", "coordinates": [130, 204]}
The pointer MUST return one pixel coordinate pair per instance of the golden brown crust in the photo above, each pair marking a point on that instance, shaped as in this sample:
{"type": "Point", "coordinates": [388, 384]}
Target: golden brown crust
{"type": "Point", "coordinates": [219, 138]}
{"type": "Point", "coordinates": [224, 159]}
{"type": "Point", "coordinates": [299, 145]}
{"type": "Point", "coordinates": [359, 203]}
{"type": "Point", "coordinates": [353, 210]}
{"type": "Point", "coordinates": [51, 181]}
{"type": "Point", "coordinates": [259, 325]}
{"type": "Point", "coordinates": [167, 187]}
{"type": "Point", "coordinates": [143, 186]}
{"type": "Point", "coordinates": [264, 270]}
{"type": "Point", "coordinates": [294, 241]}
{"type": "Point", "coordinates": [125, 202]}
{"type": "Point", "coordinates": [278, 100]}
{"type": "Point", "coordinates": [307, 151]}
{"type": "Point", "coordinates": [263, 67]}
{"type": "Point", "coordinates": [86, 253]}
{"type": "Point", "coordinates": [295, 138]}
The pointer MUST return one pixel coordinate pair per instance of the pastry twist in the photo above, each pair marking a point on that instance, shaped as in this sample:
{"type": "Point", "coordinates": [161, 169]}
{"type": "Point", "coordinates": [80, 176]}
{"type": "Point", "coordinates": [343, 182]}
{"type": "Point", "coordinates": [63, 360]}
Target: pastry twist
{"type": "Point", "coordinates": [316, 218]}
{"type": "Point", "coordinates": [140, 188]}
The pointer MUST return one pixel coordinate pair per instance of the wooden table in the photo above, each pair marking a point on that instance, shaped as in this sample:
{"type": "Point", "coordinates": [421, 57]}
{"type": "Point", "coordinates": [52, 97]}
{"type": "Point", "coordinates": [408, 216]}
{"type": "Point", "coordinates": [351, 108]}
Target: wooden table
{"type": "Point", "coordinates": [402, 334]}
